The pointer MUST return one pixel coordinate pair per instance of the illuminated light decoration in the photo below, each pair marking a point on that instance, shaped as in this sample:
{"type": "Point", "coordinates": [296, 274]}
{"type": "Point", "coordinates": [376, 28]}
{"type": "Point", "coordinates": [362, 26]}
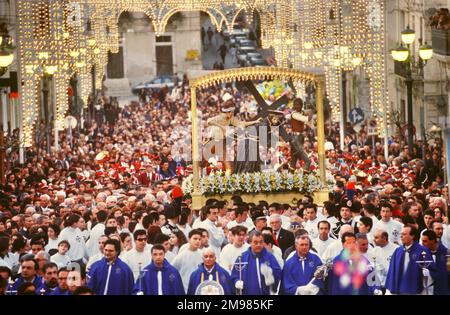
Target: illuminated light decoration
{"type": "Point", "coordinates": [50, 69]}
{"type": "Point", "coordinates": [258, 73]}
{"type": "Point", "coordinates": [301, 33]}
{"type": "Point", "coordinates": [74, 54]}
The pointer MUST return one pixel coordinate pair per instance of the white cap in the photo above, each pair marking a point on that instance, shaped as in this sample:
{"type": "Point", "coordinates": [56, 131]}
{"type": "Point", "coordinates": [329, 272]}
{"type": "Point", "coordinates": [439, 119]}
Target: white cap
{"type": "Point", "coordinates": [226, 97]}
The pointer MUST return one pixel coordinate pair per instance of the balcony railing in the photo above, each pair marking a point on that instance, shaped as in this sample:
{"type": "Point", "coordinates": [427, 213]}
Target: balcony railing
{"type": "Point", "coordinates": [441, 42]}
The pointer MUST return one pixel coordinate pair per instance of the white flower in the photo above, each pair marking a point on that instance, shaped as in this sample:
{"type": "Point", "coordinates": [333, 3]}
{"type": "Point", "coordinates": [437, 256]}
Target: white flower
{"type": "Point", "coordinates": [187, 185]}
{"type": "Point", "coordinates": [278, 181]}
{"type": "Point", "coordinates": [257, 182]}
{"type": "Point", "coordinates": [247, 182]}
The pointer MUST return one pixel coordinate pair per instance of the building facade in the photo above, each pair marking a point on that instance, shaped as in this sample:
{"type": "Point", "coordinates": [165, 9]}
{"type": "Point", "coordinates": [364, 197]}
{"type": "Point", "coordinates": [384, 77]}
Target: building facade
{"type": "Point", "coordinates": [430, 88]}
{"type": "Point", "coordinates": [9, 113]}
{"type": "Point", "coordinates": [143, 55]}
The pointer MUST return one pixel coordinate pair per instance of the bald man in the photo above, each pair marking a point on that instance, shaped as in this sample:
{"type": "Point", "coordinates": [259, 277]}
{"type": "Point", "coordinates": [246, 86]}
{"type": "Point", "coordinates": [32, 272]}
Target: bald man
{"type": "Point", "coordinates": [210, 270]}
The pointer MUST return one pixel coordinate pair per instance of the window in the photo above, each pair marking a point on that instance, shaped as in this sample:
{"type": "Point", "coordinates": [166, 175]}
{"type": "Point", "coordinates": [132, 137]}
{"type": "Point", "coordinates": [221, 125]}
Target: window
{"type": "Point", "coordinates": [115, 67]}
{"type": "Point", "coordinates": [163, 39]}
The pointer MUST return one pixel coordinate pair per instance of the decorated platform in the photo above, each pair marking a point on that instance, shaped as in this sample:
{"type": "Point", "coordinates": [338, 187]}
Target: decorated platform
{"type": "Point", "coordinates": [269, 185]}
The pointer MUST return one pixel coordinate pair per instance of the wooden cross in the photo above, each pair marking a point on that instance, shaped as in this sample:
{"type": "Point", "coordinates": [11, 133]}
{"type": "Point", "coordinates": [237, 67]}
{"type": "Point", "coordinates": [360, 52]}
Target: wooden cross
{"type": "Point", "coordinates": [266, 107]}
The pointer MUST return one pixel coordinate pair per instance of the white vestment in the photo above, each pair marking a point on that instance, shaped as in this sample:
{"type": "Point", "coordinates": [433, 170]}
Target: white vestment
{"type": "Point", "coordinates": [393, 228]}
{"type": "Point", "coordinates": [75, 238]}
{"type": "Point", "coordinates": [229, 255]}
{"type": "Point", "coordinates": [320, 246]}
{"type": "Point", "coordinates": [187, 262]}
{"type": "Point", "coordinates": [134, 259]}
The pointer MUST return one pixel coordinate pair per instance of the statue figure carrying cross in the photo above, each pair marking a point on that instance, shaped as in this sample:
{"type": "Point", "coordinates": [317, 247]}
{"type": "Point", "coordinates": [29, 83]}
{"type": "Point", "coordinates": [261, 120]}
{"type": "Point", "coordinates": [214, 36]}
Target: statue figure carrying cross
{"type": "Point", "coordinates": [247, 157]}
{"type": "Point", "coordinates": [276, 118]}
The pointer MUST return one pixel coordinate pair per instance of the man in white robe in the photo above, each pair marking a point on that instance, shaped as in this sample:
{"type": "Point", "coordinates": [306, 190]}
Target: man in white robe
{"type": "Point", "coordinates": [138, 257]}
{"type": "Point", "coordinates": [232, 251]}
{"type": "Point", "coordinates": [216, 234]}
{"type": "Point", "coordinates": [99, 255]}
{"type": "Point", "coordinates": [188, 260]}
{"type": "Point", "coordinates": [321, 243]}
{"type": "Point", "coordinates": [97, 231]}
{"type": "Point", "coordinates": [383, 252]}
{"type": "Point", "coordinates": [312, 221]}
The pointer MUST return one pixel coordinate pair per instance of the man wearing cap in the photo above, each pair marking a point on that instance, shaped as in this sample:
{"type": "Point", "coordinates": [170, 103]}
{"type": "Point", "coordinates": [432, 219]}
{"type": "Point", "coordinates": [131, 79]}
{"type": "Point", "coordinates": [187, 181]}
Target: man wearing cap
{"type": "Point", "coordinates": [172, 214]}
{"type": "Point", "coordinates": [345, 218]}
{"type": "Point", "coordinates": [220, 132]}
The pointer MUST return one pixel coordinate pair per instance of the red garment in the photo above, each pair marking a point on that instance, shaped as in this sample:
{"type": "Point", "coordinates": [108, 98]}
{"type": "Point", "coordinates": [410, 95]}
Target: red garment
{"type": "Point", "coordinates": [145, 179]}
{"type": "Point", "coordinates": [397, 213]}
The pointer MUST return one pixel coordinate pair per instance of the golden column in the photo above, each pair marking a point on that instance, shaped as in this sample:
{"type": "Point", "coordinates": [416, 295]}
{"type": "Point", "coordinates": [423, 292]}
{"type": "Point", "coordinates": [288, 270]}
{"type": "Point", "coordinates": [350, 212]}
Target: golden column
{"type": "Point", "coordinates": [320, 127]}
{"type": "Point", "coordinates": [320, 196]}
{"type": "Point", "coordinates": [196, 194]}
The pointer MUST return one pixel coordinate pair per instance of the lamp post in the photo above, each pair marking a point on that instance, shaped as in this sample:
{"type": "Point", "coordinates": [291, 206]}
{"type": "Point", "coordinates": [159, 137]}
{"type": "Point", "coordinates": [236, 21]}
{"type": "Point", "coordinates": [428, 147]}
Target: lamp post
{"type": "Point", "coordinates": [6, 54]}
{"type": "Point", "coordinates": [404, 55]}
{"type": "Point", "coordinates": [45, 93]}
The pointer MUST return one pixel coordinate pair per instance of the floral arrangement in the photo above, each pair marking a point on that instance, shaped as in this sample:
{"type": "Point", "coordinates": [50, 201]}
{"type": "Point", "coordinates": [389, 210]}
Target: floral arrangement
{"type": "Point", "coordinates": [276, 88]}
{"type": "Point", "coordinates": [260, 182]}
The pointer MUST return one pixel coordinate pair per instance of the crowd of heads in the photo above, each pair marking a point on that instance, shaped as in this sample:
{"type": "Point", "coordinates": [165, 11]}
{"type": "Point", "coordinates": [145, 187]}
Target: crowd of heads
{"type": "Point", "coordinates": [137, 183]}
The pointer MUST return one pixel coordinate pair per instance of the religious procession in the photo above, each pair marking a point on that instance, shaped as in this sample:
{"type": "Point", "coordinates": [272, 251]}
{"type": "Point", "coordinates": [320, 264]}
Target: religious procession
{"type": "Point", "coordinates": [252, 171]}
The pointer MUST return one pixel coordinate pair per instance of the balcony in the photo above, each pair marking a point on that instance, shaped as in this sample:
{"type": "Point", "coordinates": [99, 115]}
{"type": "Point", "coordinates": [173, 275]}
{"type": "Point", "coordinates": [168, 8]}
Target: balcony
{"type": "Point", "coordinates": [441, 42]}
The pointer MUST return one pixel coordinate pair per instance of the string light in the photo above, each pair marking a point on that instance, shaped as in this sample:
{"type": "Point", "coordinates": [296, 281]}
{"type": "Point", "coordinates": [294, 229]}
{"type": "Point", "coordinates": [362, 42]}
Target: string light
{"type": "Point", "coordinates": [335, 35]}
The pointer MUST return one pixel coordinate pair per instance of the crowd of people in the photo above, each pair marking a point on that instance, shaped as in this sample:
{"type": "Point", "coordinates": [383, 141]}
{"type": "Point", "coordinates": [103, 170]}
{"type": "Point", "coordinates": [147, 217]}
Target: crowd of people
{"type": "Point", "coordinates": [107, 215]}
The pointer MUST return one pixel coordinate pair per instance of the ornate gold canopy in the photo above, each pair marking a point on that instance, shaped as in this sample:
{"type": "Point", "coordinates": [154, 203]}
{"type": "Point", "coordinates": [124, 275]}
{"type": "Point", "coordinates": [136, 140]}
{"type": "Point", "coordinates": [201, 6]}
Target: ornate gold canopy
{"type": "Point", "coordinates": [255, 73]}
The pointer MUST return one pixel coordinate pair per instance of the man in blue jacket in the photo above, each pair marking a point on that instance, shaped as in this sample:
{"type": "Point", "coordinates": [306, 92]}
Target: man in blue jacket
{"type": "Point", "coordinates": [210, 270]}
{"type": "Point", "coordinates": [405, 275]}
{"type": "Point", "coordinates": [298, 272]}
{"type": "Point", "coordinates": [50, 282]}
{"type": "Point", "coordinates": [257, 271]}
{"type": "Point", "coordinates": [29, 267]}
{"type": "Point", "coordinates": [160, 277]}
{"type": "Point", "coordinates": [350, 270]}
{"type": "Point", "coordinates": [439, 255]}
{"type": "Point", "coordinates": [110, 275]}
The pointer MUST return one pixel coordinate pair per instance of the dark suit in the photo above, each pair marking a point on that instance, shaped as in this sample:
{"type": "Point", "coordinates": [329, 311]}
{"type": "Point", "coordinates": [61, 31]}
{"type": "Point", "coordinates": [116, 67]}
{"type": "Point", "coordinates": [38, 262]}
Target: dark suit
{"type": "Point", "coordinates": [422, 177]}
{"type": "Point", "coordinates": [285, 239]}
